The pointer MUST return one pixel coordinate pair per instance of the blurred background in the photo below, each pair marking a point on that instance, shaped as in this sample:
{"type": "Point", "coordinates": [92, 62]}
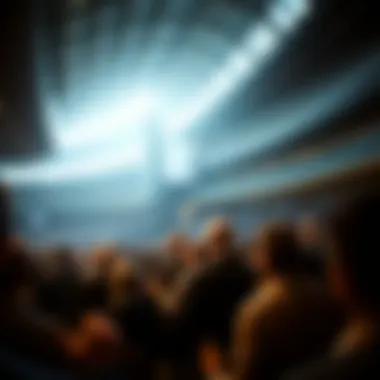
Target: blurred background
{"type": "Point", "coordinates": [124, 120]}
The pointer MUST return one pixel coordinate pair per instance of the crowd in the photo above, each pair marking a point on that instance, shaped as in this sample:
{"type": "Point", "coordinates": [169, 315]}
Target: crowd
{"type": "Point", "coordinates": [294, 305]}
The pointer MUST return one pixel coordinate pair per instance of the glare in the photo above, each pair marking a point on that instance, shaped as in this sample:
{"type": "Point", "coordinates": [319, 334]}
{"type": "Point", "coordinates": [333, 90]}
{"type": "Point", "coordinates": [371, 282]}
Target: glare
{"type": "Point", "coordinates": [220, 80]}
{"type": "Point", "coordinates": [102, 123]}
{"type": "Point", "coordinates": [259, 42]}
{"type": "Point", "coordinates": [114, 120]}
{"type": "Point", "coordinates": [299, 8]}
{"type": "Point", "coordinates": [286, 14]}
{"type": "Point", "coordinates": [54, 171]}
{"type": "Point", "coordinates": [282, 17]}
{"type": "Point", "coordinates": [299, 115]}
{"type": "Point", "coordinates": [239, 63]}
{"type": "Point", "coordinates": [178, 159]}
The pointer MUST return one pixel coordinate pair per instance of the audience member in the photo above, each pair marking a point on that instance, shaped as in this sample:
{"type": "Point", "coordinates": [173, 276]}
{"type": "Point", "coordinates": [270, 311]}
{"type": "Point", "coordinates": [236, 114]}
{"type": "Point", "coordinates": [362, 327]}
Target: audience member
{"type": "Point", "coordinates": [205, 313]}
{"type": "Point", "coordinates": [139, 320]}
{"type": "Point", "coordinates": [35, 336]}
{"type": "Point", "coordinates": [61, 294]}
{"type": "Point", "coordinates": [203, 310]}
{"type": "Point", "coordinates": [96, 290]}
{"type": "Point", "coordinates": [183, 265]}
{"type": "Point", "coordinates": [354, 278]}
{"type": "Point", "coordinates": [288, 319]}
{"type": "Point", "coordinates": [309, 237]}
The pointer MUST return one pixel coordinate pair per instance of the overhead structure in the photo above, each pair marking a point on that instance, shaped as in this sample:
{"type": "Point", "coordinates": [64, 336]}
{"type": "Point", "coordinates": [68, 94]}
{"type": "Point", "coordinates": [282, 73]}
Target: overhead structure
{"type": "Point", "coordinates": [106, 69]}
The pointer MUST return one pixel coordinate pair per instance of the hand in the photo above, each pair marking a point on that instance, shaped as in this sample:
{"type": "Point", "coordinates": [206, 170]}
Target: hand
{"type": "Point", "coordinates": [210, 360]}
{"type": "Point", "coordinates": [95, 342]}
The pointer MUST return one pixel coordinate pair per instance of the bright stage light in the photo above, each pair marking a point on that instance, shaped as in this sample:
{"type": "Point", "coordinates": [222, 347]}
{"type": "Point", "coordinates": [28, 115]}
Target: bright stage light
{"type": "Point", "coordinates": [69, 169]}
{"type": "Point", "coordinates": [116, 119]}
{"type": "Point", "coordinates": [97, 124]}
{"type": "Point", "coordinates": [258, 43]}
{"type": "Point", "coordinates": [282, 18]}
{"type": "Point", "coordinates": [178, 158]}
{"type": "Point", "coordinates": [286, 14]}
{"type": "Point", "coordinates": [299, 8]}
{"type": "Point", "coordinates": [238, 64]}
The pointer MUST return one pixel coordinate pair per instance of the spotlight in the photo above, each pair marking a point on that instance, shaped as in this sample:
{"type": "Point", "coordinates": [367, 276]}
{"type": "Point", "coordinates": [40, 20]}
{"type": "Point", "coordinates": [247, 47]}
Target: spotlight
{"type": "Point", "coordinates": [100, 124]}
{"type": "Point", "coordinates": [257, 44]}
{"type": "Point", "coordinates": [260, 41]}
{"type": "Point", "coordinates": [56, 171]}
{"type": "Point", "coordinates": [287, 14]}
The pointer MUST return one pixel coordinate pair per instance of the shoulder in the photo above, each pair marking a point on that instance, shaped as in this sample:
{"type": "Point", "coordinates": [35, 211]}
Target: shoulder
{"type": "Point", "coordinates": [358, 366]}
{"type": "Point", "coordinates": [321, 369]}
{"type": "Point", "coordinates": [259, 304]}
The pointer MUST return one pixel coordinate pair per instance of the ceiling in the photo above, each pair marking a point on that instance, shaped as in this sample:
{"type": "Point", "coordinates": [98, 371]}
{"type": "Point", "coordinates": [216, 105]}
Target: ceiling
{"type": "Point", "coordinates": [80, 69]}
{"type": "Point", "coordinates": [175, 47]}
{"type": "Point", "coordinates": [226, 86]}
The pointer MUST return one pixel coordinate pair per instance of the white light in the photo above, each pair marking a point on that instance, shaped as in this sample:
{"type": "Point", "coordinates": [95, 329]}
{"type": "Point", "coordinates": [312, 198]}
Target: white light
{"type": "Point", "coordinates": [299, 8]}
{"type": "Point", "coordinates": [287, 13]}
{"type": "Point", "coordinates": [240, 63]}
{"type": "Point", "coordinates": [103, 123]}
{"type": "Point", "coordinates": [257, 44]}
{"type": "Point", "coordinates": [261, 41]}
{"type": "Point", "coordinates": [282, 17]}
{"type": "Point", "coordinates": [56, 171]}
{"type": "Point", "coordinates": [220, 80]}
{"type": "Point", "coordinates": [178, 159]}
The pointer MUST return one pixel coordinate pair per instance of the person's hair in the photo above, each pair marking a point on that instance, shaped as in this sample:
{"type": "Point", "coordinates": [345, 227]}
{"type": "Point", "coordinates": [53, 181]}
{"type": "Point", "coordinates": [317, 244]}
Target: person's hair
{"type": "Point", "coordinates": [282, 247]}
{"type": "Point", "coordinates": [122, 281]}
{"type": "Point", "coordinates": [220, 232]}
{"type": "Point", "coordinates": [5, 214]}
{"type": "Point", "coordinates": [354, 229]}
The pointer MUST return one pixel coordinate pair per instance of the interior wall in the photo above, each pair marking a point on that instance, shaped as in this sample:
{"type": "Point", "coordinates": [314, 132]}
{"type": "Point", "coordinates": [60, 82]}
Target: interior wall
{"type": "Point", "coordinates": [315, 201]}
{"type": "Point", "coordinates": [21, 131]}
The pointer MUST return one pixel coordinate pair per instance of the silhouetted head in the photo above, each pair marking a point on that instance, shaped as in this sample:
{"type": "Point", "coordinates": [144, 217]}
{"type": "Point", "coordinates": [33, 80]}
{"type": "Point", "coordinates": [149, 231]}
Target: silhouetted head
{"type": "Point", "coordinates": [102, 260]}
{"type": "Point", "coordinates": [308, 232]}
{"type": "Point", "coordinates": [63, 262]}
{"type": "Point", "coordinates": [354, 230]}
{"type": "Point", "coordinates": [219, 237]}
{"type": "Point", "coordinates": [277, 250]}
{"type": "Point", "coordinates": [176, 246]}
